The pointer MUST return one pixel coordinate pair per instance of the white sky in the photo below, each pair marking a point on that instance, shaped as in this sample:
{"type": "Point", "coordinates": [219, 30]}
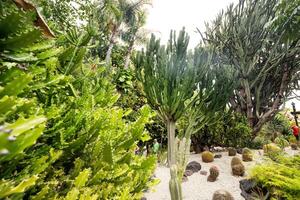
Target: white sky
{"type": "Point", "coordinates": [165, 15]}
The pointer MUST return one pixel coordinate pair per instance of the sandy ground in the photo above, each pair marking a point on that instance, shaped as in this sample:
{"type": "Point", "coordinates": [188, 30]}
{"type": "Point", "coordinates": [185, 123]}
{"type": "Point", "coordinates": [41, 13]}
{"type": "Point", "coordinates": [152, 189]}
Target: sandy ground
{"type": "Point", "coordinates": [197, 187]}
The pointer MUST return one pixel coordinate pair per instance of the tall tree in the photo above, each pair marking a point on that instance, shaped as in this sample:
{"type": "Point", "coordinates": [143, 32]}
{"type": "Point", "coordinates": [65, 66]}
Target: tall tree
{"type": "Point", "coordinates": [124, 11]}
{"type": "Point", "coordinates": [266, 65]}
{"type": "Point", "coordinates": [134, 34]}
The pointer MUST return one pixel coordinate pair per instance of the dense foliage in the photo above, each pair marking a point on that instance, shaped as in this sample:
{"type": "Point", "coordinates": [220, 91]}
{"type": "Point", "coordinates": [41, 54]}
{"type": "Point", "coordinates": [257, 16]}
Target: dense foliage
{"type": "Point", "coordinates": [281, 177]}
{"type": "Point", "coordinates": [61, 135]}
{"type": "Point", "coordinates": [252, 38]}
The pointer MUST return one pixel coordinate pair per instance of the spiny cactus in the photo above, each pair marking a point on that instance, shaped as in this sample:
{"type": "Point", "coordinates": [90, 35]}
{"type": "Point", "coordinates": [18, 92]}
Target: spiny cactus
{"type": "Point", "coordinates": [238, 169]}
{"type": "Point", "coordinates": [271, 148]}
{"type": "Point", "coordinates": [247, 155]}
{"type": "Point", "coordinates": [207, 156]}
{"type": "Point", "coordinates": [175, 184]}
{"type": "Point", "coordinates": [213, 174]}
{"type": "Point", "coordinates": [182, 150]}
{"type": "Point", "coordinates": [231, 151]}
{"type": "Point", "coordinates": [222, 195]}
{"type": "Point", "coordinates": [235, 160]}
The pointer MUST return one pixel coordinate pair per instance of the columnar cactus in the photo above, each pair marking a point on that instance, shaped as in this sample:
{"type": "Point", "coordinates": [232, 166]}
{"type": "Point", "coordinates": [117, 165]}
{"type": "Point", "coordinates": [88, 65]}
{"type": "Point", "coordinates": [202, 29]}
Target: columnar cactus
{"type": "Point", "coordinates": [175, 184]}
{"type": "Point", "coordinates": [182, 150]}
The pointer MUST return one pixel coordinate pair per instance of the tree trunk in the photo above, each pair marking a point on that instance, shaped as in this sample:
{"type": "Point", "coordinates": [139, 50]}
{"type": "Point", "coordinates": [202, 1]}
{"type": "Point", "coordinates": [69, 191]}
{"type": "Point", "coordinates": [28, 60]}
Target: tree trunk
{"type": "Point", "coordinates": [128, 54]}
{"type": "Point", "coordinates": [276, 104]}
{"type": "Point", "coordinates": [111, 45]}
{"type": "Point", "coordinates": [171, 140]}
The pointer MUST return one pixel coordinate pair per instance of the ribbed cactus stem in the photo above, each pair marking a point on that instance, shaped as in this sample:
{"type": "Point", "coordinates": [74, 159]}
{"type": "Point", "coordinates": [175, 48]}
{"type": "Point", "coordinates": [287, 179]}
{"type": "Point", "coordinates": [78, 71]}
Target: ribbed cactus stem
{"type": "Point", "coordinates": [175, 184]}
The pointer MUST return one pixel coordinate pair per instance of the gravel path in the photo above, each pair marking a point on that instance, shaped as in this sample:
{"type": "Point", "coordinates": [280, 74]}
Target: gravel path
{"type": "Point", "coordinates": [197, 187]}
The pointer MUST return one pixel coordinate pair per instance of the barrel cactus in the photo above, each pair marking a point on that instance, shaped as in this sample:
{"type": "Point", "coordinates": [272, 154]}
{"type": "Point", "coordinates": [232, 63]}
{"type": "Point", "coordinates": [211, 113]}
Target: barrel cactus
{"type": "Point", "coordinates": [213, 174]}
{"type": "Point", "coordinates": [222, 195]}
{"type": "Point", "coordinates": [238, 169]}
{"type": "Point", "coordinates": [271, 148]}
{"type": "Point", "coordinates": [207, 156]}
{"type": "Point", "coordinates": [235, 161]}
{"type": "Point", "coordinates": [247, 155]}
{"type": "Point", "coordinates": [174, 184]}
{"type": "Point", "coordinates": [231, 151]}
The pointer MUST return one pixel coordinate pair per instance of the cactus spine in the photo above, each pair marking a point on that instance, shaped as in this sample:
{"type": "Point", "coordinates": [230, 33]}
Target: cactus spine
{"type": "Point", "coordinates": [175, 184]}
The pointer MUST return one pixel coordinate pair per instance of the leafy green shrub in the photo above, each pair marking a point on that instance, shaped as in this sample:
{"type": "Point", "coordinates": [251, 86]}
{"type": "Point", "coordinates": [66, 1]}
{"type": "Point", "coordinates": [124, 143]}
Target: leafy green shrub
{"type": "Point", "coordinates": [62, 137]}
{"type": "Point", "coordinates": [281, 178]}
{"type": "Point", "coordinates": [281, 142]}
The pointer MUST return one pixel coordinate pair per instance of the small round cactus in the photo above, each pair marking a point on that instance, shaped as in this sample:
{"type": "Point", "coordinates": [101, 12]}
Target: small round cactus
{"type": "Point", "coordinates": [271, 148]}
{"type": "Point", "coordinates": [238, 170]}
{"type": "Point", "coordinates": [207, 156]}
{"type": "Point", "coordinates": [235, 160]}
{"type": "Point", "coordinates": [247, 155]}
{"type": "Point", "coordinates": [213, 174]}
{"type": "Point", "coordinates": [222, 195]}
{"type": "Point", "coordinates": [231, 151]}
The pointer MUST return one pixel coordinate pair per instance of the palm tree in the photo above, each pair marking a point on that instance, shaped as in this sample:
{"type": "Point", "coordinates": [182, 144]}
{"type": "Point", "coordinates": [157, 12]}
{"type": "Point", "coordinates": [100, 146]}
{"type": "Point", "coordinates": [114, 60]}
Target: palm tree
{"type": "Point", "coordinates": [122, 12]}
{"type": "Point", "coordinates": [135, 34]}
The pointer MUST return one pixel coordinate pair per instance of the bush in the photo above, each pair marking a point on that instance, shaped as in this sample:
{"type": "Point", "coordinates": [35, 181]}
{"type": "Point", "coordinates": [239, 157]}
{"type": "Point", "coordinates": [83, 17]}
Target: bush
{"type": "Point", "coordinates": [67, 139]}
{"type": "Point", "coordinates": [281, 178]}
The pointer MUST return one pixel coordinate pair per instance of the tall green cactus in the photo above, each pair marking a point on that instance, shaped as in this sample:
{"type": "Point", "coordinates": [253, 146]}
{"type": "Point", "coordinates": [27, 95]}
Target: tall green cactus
{"type": "Point", "coordinates": [175, 184]}
{"type": "Point", "coordinates": [182, 150]}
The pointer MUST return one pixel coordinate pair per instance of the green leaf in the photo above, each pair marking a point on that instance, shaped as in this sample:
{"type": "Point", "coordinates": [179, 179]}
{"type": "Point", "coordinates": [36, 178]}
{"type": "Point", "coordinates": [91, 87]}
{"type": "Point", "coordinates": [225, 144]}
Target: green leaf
{"type": "Point", "coordinates": [107, 153]}
{"type": "Point", "coordinates": [82, 178]}
{"type": "Point", "coordinates": [23, 125]}
{"type": "Point", "coordinates": [23, 186]}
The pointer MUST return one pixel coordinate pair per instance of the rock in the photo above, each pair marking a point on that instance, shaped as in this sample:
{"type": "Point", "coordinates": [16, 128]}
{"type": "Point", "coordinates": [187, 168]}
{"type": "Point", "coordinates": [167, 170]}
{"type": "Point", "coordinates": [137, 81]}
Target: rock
{"type": "Point", "coordinates": [294, 146]}
{"type": "Point", "coordinates": [217, 149]}
{"type": "Point", "coordinates": [188, 173]}
{"type": "Point", "coordinates": [222, 195]}
{"type": "Point", "coordinates": [218, 156]}
{"type": "Point", "coordinates": [184, 179]}
{"type": "Point", "coordinates": [239, 150]}
{"type": "Point", "coordinates": [248, 186]}
{"type": "Point", "coordinates": [143, 198]}
{"type": "Point", "coordinates": [203, 172]}
{"type": "Point", "coordinates": [193, 166]}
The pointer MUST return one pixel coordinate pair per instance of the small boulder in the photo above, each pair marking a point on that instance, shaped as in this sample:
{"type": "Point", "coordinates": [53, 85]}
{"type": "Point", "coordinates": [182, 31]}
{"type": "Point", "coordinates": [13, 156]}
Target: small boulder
{"type": "Point", "coordinates": [203, 172]}
{"type": "Point", "coordinates": [222, 195]}
{"type": "Point", "coordinates": [188, 173]}
{"type": "Point", "coordinates": [247, 187]}
{"type": "Point", "coordinates": [239, 150]}
{"type": "Point", "coordinates": [218, 156]}
{"type": "Point", "coordinates": [193, 166]}
{"type": "Point", "coordinates": [294, 146]}
{"type": "Point", "coordinates": [184, 179]}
